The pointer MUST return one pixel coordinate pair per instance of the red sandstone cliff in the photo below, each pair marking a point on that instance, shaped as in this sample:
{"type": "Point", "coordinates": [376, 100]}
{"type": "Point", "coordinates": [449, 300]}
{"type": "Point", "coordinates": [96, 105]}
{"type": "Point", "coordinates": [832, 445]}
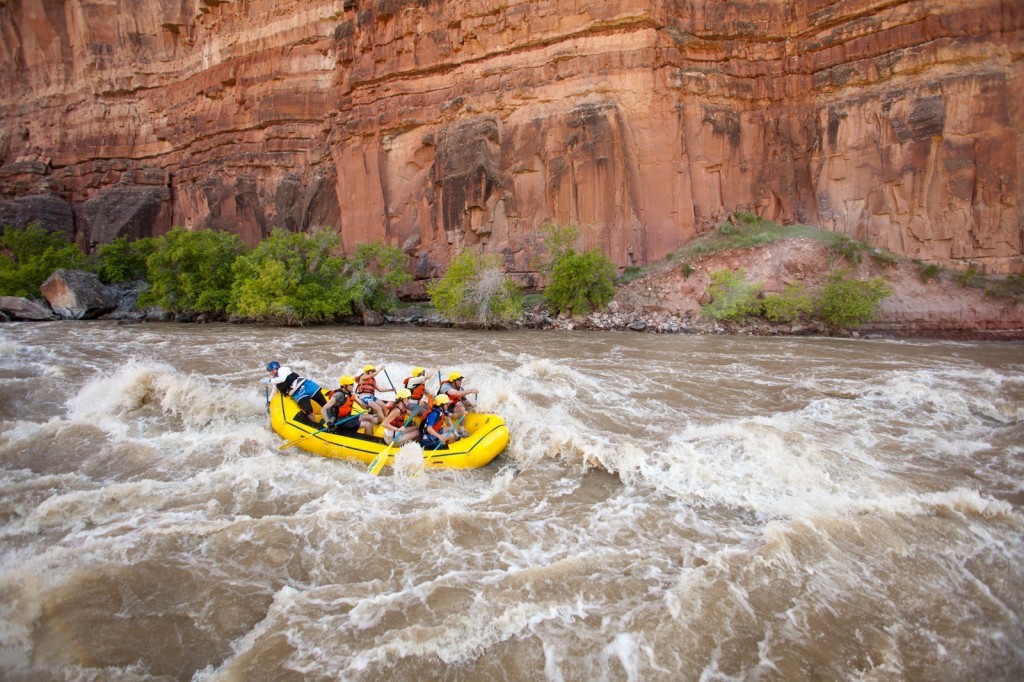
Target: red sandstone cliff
{"type": "Point", "coordinates": [436, 125]}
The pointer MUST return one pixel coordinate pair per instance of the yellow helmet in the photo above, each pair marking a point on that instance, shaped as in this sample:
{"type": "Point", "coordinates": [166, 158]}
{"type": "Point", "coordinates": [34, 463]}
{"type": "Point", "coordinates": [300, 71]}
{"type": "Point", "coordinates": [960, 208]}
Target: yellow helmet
{"type": "Point", "coordinates": [346, 380]}
{"type": "Point", "coordinates": [369, 368]}
{"type": "Point", "coordinates": [442, 400]}
{"type": "Point", "coordinates": [403, 393]}
{"type": "Point", "coordinates": [416, 371]}
{"type": "Point", "coordinates": [454, 376]}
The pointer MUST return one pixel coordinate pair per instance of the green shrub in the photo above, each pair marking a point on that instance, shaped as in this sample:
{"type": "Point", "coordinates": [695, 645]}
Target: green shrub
{"type": "Point", "coordinates": [122, 260]}
{"type": "Point", "coordinates": [1011, 286]}
{"type": "Point", "coordinates": [968, 277]}
{"type": "Point", "coordinates": [732, 296]}
{"type": "Point", "coordinates": [581, 282]}
{"type": "Point", "coordinates": [629, 274]}
{"type": "Point", "coordinates": [686, 269]}
{"type": "Point", "coordinates": [29, 255]}
{"type": "Point", "coordinates": [790, 305]}
{"type": "Point", "coordinates": [850, 249]}
{"type": "Point", "coordinates": [191, 271]}
{"type": "Point", "coordinates": [928, 272]}
{"type": "Point", "coordinates": [884, 257]}
{"type": "Point", "coordinates": [291, 278]}
{"type": "Point", "coordinates": [844, 302]}
{"type": "Point", "coordinates": [475, 289]}
{"type": "Point", "coordinates": [375, 273]}
{"type": "Point", "coordinates": [558, 241]}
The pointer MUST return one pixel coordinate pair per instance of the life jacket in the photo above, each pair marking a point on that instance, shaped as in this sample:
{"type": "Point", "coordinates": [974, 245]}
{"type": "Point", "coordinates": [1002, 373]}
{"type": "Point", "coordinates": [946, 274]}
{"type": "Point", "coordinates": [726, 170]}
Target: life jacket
{"type": "Point", "coordinates": [367, 385]}
{"type": "Point", "coordinates": [427, 420]}
{"type": "Point", "coordinates": [289, 384]}
{"type": "Point", "coordinates": [399, 419]}
{"type": "Point", "coordinates": [417, 390]}
{"type": "Point", "coordinates": [339, 410]}
{"type": "Point", "coordinates": [446, 388]}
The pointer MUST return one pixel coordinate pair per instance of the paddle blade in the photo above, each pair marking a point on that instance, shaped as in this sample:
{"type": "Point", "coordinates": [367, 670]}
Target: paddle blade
{"type": "Point", "coordinates": [379, 461]}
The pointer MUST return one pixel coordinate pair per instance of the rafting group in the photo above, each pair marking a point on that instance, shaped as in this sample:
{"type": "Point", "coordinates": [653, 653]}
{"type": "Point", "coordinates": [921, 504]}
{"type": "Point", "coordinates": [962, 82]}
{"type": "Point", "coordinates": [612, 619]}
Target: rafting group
{"type": "Point", "coordinates": [434, 419]}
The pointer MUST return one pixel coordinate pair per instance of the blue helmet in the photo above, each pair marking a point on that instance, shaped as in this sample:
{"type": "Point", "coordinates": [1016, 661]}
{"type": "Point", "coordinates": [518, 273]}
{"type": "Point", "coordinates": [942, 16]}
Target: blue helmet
{"type": "Point", "coordinates": [274, 364]}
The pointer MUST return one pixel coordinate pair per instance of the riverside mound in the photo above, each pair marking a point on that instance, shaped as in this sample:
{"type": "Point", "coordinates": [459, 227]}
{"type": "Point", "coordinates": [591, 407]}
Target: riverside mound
{"type": "Point", "coordinates": [669, 298]}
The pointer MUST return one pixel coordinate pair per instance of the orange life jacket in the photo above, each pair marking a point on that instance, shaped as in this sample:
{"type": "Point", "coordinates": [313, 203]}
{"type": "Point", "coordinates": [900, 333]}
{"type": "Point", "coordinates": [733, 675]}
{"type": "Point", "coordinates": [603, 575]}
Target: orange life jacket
{"type": "Point", "coordinates": [345, 408]}
{"type": "Point", "coordinates": [367, 385]}
{"type": "Point", "coordinates": [417, 390]}
{"type": "Point", "coordinates": [399, 419]}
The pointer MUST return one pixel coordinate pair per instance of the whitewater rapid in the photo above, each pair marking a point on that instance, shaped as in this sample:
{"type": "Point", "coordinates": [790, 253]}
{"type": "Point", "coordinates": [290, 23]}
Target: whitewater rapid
{"type": "Point", "coordinates": [669, 507]}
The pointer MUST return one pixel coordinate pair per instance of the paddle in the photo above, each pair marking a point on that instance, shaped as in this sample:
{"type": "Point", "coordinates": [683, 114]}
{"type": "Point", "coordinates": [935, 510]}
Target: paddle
{"type": "Point", "coordinates": [454, 426]}
{"type": "Point", "coordinates": [391, 383]}
{"type": "Point", "coordinates": [378, 462]}
{"type": "Point", "coordinates": [313, 433]}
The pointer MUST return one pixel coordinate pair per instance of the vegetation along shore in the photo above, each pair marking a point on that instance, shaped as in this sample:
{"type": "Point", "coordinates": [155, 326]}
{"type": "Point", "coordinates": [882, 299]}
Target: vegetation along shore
{"type": "Point", "coordinates": [747, 276]}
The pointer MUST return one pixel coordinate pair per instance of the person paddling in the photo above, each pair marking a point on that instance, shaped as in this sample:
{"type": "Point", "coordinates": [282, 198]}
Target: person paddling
{"type": "Point", "coordinates": [366, 389]}
{"type": "Point", "coordinates": [455, 391]}
{"type": "Point", "coordinates": [398, 426]}
{"type": "Point", "coordinates": [303, 391]}
{"type": "Point", "coordinates": [433, 431]}
{"type": "Point", "coordinates": [417, 384]}
{"type": "Point", "coordinates": [338, 410]}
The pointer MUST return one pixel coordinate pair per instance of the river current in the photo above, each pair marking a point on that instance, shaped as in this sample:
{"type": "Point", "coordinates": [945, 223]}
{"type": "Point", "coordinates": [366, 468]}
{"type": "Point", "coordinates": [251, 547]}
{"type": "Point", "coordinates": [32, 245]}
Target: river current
{"type": "Point", "coordinates": [668, 508]}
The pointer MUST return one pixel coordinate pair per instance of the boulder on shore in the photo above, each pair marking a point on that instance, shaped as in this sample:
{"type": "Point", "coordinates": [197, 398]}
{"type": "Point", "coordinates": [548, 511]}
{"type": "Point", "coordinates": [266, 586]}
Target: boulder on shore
{"type": "Point", "coordinates": [77, 295]}
{"type": "Point", "coordinates": [18, 308]}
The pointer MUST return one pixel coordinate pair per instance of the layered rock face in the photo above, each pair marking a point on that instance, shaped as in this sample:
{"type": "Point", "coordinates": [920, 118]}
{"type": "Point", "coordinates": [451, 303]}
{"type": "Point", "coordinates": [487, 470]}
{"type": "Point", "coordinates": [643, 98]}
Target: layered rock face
{"type": "Point", "coordinates": [441, 125]}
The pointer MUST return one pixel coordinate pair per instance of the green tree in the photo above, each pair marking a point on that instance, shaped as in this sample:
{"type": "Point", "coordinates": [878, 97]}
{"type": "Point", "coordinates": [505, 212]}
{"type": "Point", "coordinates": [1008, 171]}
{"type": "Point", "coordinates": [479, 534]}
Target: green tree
{"type": "Point", "coordinates": [733, 297]}
{"type": "Point", "coordinates": [292, 278]}
{"type": "Point", "coordinates": [581, 282]}
{"type": "Point", "coordinates": [577, 282]}
{"type": "Point", "coordinates": [558, 241]}
{"type": "Point", "coordinates": [191, 271]}
{"type": "Point", "coordinates": [29, 255]}
{"type": "Point", "coordinates": [122, 260]}
{"type": "Point", "coordinates": [475, 289]}
{"type": "Point", "coordinates": [846, 302]}
{"type": "Point", "coordinates": [375, 273]}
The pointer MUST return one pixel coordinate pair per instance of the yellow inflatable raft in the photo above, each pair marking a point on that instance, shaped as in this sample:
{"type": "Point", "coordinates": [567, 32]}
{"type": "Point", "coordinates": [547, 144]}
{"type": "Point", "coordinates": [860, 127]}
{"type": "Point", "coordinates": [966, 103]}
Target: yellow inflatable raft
{"type": "Point", "coordinates": [488, 436]}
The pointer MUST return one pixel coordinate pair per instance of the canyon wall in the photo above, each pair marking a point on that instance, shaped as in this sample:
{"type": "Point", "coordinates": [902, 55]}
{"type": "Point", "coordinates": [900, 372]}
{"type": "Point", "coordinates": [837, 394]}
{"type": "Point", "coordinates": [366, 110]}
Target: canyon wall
{"type": "Point", "coordinates": [438, 126]}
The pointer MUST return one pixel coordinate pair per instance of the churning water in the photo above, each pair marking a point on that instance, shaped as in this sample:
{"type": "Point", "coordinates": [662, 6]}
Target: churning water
{"type": "Point", "coordinates": [669, 508]}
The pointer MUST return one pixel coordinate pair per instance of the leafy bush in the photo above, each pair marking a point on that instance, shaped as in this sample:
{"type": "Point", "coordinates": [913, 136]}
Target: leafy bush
{"type": "Point", "coordinates": [291, 278]}
{"type": "Point", "coordinates": [577, 282]}
{"type": "Point", "coordinates": [845, 302]}
{"type": "Point", "coordinates": [850, 249]}
{"type": "Point", "coordinates": [29, 256]}
{"type": "Point", "coordinates": [558, 241]}
{"type": "Point", "coordinates": [375, 273]}
{"type": "Point", "coordinates": [191, 271]}
{"type": "Point", "coordinates": [884, 257]}
{"type": "Point", "coordinates": [733, 297]}
{"type": "Point", "coordinates": [928, 272]}
{"type": "Point", "coordinates": [476, 289]}
{"type": "Point", "coordinates": [968, 277]}
{"type": "Point", "coordinates": [790, 305]}
{"type": "Point", "coordinates": [122, 260]}
{"type": "Point", "coordinates": [630, 274]}
{"type": "Point", "coordinates": [581, 282]}
{"type": "Point", "coordinates": [1011, 286]}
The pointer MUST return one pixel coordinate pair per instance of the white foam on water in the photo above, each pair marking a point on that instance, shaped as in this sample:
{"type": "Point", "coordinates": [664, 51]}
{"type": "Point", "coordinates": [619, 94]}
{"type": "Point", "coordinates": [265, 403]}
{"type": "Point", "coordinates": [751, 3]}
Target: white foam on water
{"type": "Point", "coordinates": [738, 528]}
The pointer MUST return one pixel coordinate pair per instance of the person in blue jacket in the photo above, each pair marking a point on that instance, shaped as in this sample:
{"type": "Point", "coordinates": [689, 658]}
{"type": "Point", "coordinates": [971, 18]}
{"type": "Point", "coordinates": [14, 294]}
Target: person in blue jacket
{"type": "Point", "coordinates": [433, 427]}
{"type": "Point", "coordinates": [303, 391]}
